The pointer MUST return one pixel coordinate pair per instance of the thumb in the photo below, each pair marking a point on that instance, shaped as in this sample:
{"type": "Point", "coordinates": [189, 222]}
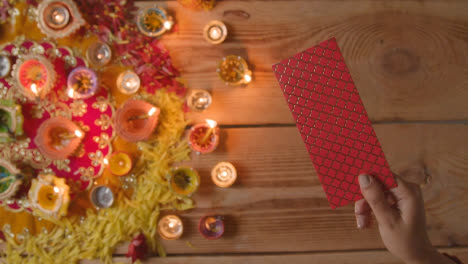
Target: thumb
{"type": "Point", "coordinates": [375, 197]}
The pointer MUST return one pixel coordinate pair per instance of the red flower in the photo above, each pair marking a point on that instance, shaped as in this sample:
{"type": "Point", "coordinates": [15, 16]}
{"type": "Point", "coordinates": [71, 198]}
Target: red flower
{"type": "Point", "coordinates": [137, 248]}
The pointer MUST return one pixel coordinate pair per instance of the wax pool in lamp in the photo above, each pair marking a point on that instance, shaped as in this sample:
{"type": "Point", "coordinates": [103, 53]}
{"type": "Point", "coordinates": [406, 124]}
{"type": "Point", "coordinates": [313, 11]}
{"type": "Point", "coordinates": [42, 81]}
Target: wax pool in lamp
{"type": "Point", "coordinates": [34, 76]}
{"type": "Point", "coordinates": [50, 195]}
{"type": "Point", "coordinates": [233, 70]}
{"type": "Point", "coordinates": [82, 83]}
{"type": "Point", "coordinates": [10, 179]}
{"type": "Point", "coordinates": [184, 181]}
{"type": "Point", "coordinates": [204, 137]}
{"type": "Point", "coordinates": [136, 120]}
{"type": "Point", "coordinates": [11, 121]}
{"type": "Point", "coordinates": [58, 137]}
{"type": "Point", "coordinates": [119, 163]}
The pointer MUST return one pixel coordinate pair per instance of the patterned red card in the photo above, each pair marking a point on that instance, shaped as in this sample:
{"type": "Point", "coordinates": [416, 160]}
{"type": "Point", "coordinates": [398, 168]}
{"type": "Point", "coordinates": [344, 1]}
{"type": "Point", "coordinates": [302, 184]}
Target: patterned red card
{"type": "Point", "coordinates": [332, 121]}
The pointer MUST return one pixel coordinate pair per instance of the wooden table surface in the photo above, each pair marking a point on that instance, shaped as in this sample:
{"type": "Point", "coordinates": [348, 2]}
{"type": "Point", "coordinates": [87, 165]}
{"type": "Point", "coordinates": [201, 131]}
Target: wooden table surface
{"type": "Point", "coordinates": [409, 60]}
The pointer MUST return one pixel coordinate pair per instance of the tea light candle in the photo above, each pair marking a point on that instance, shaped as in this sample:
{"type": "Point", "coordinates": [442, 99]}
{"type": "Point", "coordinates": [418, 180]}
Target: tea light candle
{"type": "Point", "coordinates": [170, 227]}
{"type": "Point", "coordinates": [211, 227]}
{"type": "Point", "coordinates": [224, 174]}
{"type": "Point", "coordinates": [99, 53]}
{"type": "Point", "coordinates": [56, 15]}
{"type": "Point", "coordinates": [204, 137]}
{"type": "Point", "coordinates": [119, 163]}
{"type": "Point", "coordinates": [102, 197]}
{"type": "Point", "coordinates": [5, 66]}
{"type": "Point", "coordinates": [199, 100]}
{"type": "Point", "coordinates": [184, 181]}
{"type": "Point", "coordinates": [233, 70]}
{"type": "Point", "coordinates": [128, 82]}
{"type": "Point", "coordinates": [82, 83]}
{"type": "Point", "coordinates": [154, 21]}
{"type": "Point", "coordinates": [215, 32]}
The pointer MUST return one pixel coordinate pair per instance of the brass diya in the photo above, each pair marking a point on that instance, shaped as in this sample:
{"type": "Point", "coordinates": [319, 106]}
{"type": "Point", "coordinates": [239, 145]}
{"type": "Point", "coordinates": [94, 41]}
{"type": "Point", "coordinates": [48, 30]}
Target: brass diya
{"type": "Point", "coordinates": [233, 70]}
{"type": "Point", "coordinates": [154, 21]}
{"type": "Point", "coordinates": [50, 195]}
{"type": "Point", "coordinates": [58, 137]}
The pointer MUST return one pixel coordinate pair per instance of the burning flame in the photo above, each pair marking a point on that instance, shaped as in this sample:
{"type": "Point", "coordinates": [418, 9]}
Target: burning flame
{"type": "Point", "coordinates": [247, 78]}
{"type": "Point", "coordinates": [167, 24]}
{"type": "Point", "coordinates": [211, 123]}
{"type": "Point", "coordinates": [105, 161]}
{"type": "Point", "coordinates": [78, 133]}
{"type": "Point", "coordinates": [70, 93]}
{"type": "Point", "coordinates": [152, 111]}
{"type": "Point", "coordinates": [56, 189]}
{"type": "Point", "coordinates": [34, 88]}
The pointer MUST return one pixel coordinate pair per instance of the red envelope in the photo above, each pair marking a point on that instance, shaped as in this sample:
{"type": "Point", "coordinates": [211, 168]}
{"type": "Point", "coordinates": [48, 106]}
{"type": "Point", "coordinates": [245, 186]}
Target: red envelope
{"type": "Point", "coordinates": [332, 121]}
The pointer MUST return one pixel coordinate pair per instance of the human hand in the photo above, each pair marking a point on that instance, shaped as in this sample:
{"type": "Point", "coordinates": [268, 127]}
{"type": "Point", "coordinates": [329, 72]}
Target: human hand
{"type": "Point", "coordinates": [401, 220]}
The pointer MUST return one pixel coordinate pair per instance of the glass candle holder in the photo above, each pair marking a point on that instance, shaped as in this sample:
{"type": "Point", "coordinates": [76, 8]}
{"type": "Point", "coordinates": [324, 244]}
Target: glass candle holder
{"type": "Point", "coordinates": [5, 66]}
{"type": "Point", "coordinates": [204, 137]}
{"type": "Point", "coordinates": [11, 121]}
{"type": "Point", "coordinates": [101, 197]}
{"type": "Point", "coordinates": [215, 32]}
{"type": "Point", "coordinates": [82, 83]}
{"type": "Point", "coordinates": [136, 120]}
{"type": "Point", "coordinates": [50, 195]}
{"type": "Point", "coordinates": [184, 181]}
{"type": "Point", "coordinates": [224, 174]}
{"type": "Point", "coordinates": [119, 163]}
{"type": "Point", "coordinates": [154, 21]}
{"type": "Point", "coordinates": [128, 82]}
{"type": "Point", "coordinates": [10, 179]}
{"type": "Point", "coordinates": [170, 227]}
{"type": "Point", "coordinates": [233, 70]}
{"type": "Point", "coordinates": [199, 100]}
{"type": "Point", "coordinates": [58, 137]}
{"type": "Point", "coordinates": [34, 76]}
{"type": "Point", "coordinates": [99, 54]}
{"type": "Point", "coordinates": [211, 227]}
{"type": "Point", "coordinates": [58, 19]}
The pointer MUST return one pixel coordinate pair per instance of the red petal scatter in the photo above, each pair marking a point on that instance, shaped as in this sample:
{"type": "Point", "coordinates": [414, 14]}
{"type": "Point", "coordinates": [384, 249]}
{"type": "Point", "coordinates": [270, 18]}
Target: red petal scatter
{"type": "Point", "coordinates": [114, 23]}
{"type": "Point", "coordinates": [137, 248]}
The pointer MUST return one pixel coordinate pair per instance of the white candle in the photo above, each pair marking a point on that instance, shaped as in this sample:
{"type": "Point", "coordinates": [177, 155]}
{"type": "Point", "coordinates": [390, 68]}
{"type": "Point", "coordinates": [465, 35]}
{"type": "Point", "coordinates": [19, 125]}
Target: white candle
{"type": "Point", "coordinates": [128, 82]}
{"type": "Point", "coordinates": [170, 227]}
{"type": "Point", "coordinates": [224, 174]}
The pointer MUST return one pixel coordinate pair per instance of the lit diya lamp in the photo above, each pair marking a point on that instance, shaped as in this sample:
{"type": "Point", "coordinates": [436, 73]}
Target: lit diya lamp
{"type": "Point", "coordinates": [154, 21]}
{"type": "Point", "coordinates": [211, 227]}
{"type": "Point", "coordinates": [136, 120]}
{"type": "Point", "coordinates": [128, 82]}
{"type": "Point", "coordinates": [215, 32]}
{"type": "Point", "coordinates": [224, 174]}
{"type": "Point", "coordinates": [50, 195]}
{"type": "Point", "coordinates": [101, 197]}
{"type": "Point", "coordinates": [184, 181]}
{"type": "Point", "coordinates": [5, 66]}
{"type": "Point", "coordinates": [204, 137]}
{"type": "Point", "coordinates": [119, 163]}
{"type": "Point", "coordinates": [170, 227]}
{"type": "Point", "coordinates": [11, 121]}
{"type": "Point", "coordinates": [199, 100]}
{"type": "Point", "coordinates": [10, 179]}
{"type": "Point", "coordinates": [58, 19]}
{"type": "Point", "coordinates": [82, 83]}
{"type": "Point", "coordinates": [58, 137]}
{"type": "Point", "coordinates": [99, 54]}
{"type": "Point", "coordinates": [34, 76]}
{"type": "Point", "coordinates": [233, 70]}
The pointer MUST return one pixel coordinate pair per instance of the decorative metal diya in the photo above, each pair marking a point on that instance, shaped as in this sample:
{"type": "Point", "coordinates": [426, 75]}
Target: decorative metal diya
{"type": "Point", "coordinates": [233, 70]}
{"type": "Point", "coordinates": [184, 181]}
{"type": "Point", "coordinates": [154, 21]}
{"type": "Point", "coordinates": [199, 100]}
{"type": "Point", "coordinates": [58, 19]}
{"type": "Point", "coordinates": [10, 179]}
{"type": "Point", "coordinates": [34, 76]}
{"type": "Point", "coordinates": [11, 121]}
{"type": "Point", "coordinates": [50, 195]}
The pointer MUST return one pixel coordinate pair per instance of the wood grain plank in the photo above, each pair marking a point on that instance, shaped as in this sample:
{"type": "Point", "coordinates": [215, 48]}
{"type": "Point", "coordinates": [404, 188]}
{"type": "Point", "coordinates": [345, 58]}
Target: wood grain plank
{"type": "Point", "coordinates": [409, 59]}
{"type": "Point", "coordinates": [278, 205]}
{"type": "Point", "coordinates": [360, 257]}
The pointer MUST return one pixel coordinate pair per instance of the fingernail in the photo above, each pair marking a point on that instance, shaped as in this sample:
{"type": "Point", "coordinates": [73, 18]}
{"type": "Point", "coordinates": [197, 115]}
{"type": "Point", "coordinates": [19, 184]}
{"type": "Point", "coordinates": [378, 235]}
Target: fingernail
{"type": "Point", "coordinates": [364, 180]}
{"type": "Point", "coordinates": [360, 221]}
